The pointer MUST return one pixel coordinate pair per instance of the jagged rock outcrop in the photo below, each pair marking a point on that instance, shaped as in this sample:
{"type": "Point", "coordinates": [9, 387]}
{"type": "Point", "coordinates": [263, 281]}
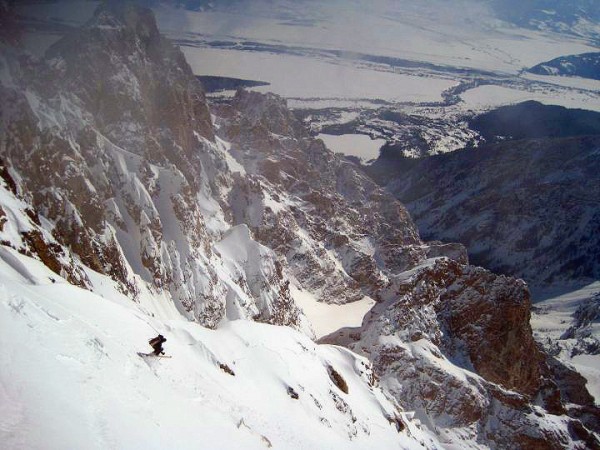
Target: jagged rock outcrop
{"type": "Point", "coordinates": [341, 234]}
{"type": "Point", "coordinates": [453, 343]}
{"type": "Point", "coordinates": [21, 229]}
{"type": "Point", "coordinates": [119, 156]}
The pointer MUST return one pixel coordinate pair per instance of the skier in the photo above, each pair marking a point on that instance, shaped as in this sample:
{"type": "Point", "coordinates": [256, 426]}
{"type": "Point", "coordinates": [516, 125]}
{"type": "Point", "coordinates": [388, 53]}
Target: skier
{"type": "Point", "coordinates": [156, 343]}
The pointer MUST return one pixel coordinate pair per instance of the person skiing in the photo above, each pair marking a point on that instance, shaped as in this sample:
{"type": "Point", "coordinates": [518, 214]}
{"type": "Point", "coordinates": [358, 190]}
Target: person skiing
{"type": "Point", "coordinates": [156, 343]}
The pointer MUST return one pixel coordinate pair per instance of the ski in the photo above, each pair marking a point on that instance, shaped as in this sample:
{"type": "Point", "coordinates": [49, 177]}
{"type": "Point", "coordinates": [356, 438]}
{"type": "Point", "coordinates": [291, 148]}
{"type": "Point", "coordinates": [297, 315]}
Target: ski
{"type": "Point", "coordinates": [152, 355]}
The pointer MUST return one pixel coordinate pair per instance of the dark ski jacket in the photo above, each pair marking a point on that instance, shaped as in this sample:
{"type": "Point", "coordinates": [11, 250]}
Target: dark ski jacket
{"type": "Point", "coordinates": [156, 343]}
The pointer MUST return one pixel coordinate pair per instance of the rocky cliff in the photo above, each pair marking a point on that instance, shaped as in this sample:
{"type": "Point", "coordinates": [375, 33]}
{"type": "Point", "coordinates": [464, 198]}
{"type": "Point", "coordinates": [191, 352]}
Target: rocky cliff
{"type": "Point", "coordinates": [453, 343]}
{"type": "Point", "coordinates": [112, 141]}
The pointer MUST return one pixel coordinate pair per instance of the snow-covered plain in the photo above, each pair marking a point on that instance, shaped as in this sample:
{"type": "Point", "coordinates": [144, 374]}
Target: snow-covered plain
{"type": "Point", "coordinates": [365, 55]}
{"type": "Point", "coordinates": [313, 53]}
{"type": "Point", "coordinates": [585, 84]}
{"type": "Point", "coordinates": [359, 145]}
{"type": "Point", "coordinates": [70, 377]}
{"type": "Point", "coordinates": [309, 78]}
{"type": "Point", "coordinates": [463, 34]}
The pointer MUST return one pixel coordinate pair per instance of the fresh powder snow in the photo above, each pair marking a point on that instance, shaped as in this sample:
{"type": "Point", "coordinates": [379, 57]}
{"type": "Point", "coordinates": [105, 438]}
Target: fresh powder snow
{"type": "Point", "coordinates": [71, 378]}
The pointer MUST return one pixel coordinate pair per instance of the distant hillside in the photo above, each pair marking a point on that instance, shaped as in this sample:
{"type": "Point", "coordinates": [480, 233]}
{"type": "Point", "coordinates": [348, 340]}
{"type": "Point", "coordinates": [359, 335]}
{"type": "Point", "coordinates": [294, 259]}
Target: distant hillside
{"type": "Point", "coordinates": [586, 65]}
{"type": "Point", "coordinates": [218, 84]}
{"type": "Point", "coordinates": [533, 120]}
{"type": "Point", "coordinates": [577, 17]}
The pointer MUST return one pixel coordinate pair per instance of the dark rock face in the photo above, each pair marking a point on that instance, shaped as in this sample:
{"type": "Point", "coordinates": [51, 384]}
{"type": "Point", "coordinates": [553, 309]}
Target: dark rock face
{"type": "Point", "coordinates": [124, 72]}
{"type": "Point", "coordinates": [22, 230]}
{"type": "Point", "coordinates": [479, 315]}
{"type": "Point", "coordinates": [585, 65]}
{"type": "Point", "coordinates": [490, 314]}
{"type": "Point", "coordinates": [335, 212]}
{"type": "Point", "coordinates": [531, 120]}
{"type": "Point", "coordinates": [524, 208]}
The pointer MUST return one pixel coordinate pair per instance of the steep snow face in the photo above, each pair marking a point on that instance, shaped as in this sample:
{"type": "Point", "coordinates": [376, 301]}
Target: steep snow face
{"type": "Point", "coordinates": [248, 260]}
{"type": "Point", "coordinates": [71, 378]}
{"type": "Point", "coordinates": [119, 154]}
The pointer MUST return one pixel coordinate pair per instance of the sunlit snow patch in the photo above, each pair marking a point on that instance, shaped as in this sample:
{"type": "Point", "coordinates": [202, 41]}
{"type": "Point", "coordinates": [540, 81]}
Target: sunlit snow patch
{"type": "Point", "coordinates": [326, 318]}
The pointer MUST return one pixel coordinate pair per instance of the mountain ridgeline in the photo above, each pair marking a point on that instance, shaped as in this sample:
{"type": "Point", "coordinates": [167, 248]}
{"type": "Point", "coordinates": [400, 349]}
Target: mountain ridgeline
{"type": "Point", "coordinates": [113, 162]}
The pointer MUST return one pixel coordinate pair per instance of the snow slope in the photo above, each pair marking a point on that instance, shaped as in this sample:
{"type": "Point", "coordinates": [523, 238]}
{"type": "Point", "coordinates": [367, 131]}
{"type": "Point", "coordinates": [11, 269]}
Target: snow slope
{"type": "Point", "coordinates": [70, 378]}
{"type": "Point", "coordinates": [328, 318]}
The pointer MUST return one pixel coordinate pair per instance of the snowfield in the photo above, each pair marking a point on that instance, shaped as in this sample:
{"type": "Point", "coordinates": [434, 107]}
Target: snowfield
{"type": "Point", "coordinates": [70, 377]}
{"type": "Point", "coordinates": [327, 318]}
{"type": "Point", "coordinates": [490, 97]}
